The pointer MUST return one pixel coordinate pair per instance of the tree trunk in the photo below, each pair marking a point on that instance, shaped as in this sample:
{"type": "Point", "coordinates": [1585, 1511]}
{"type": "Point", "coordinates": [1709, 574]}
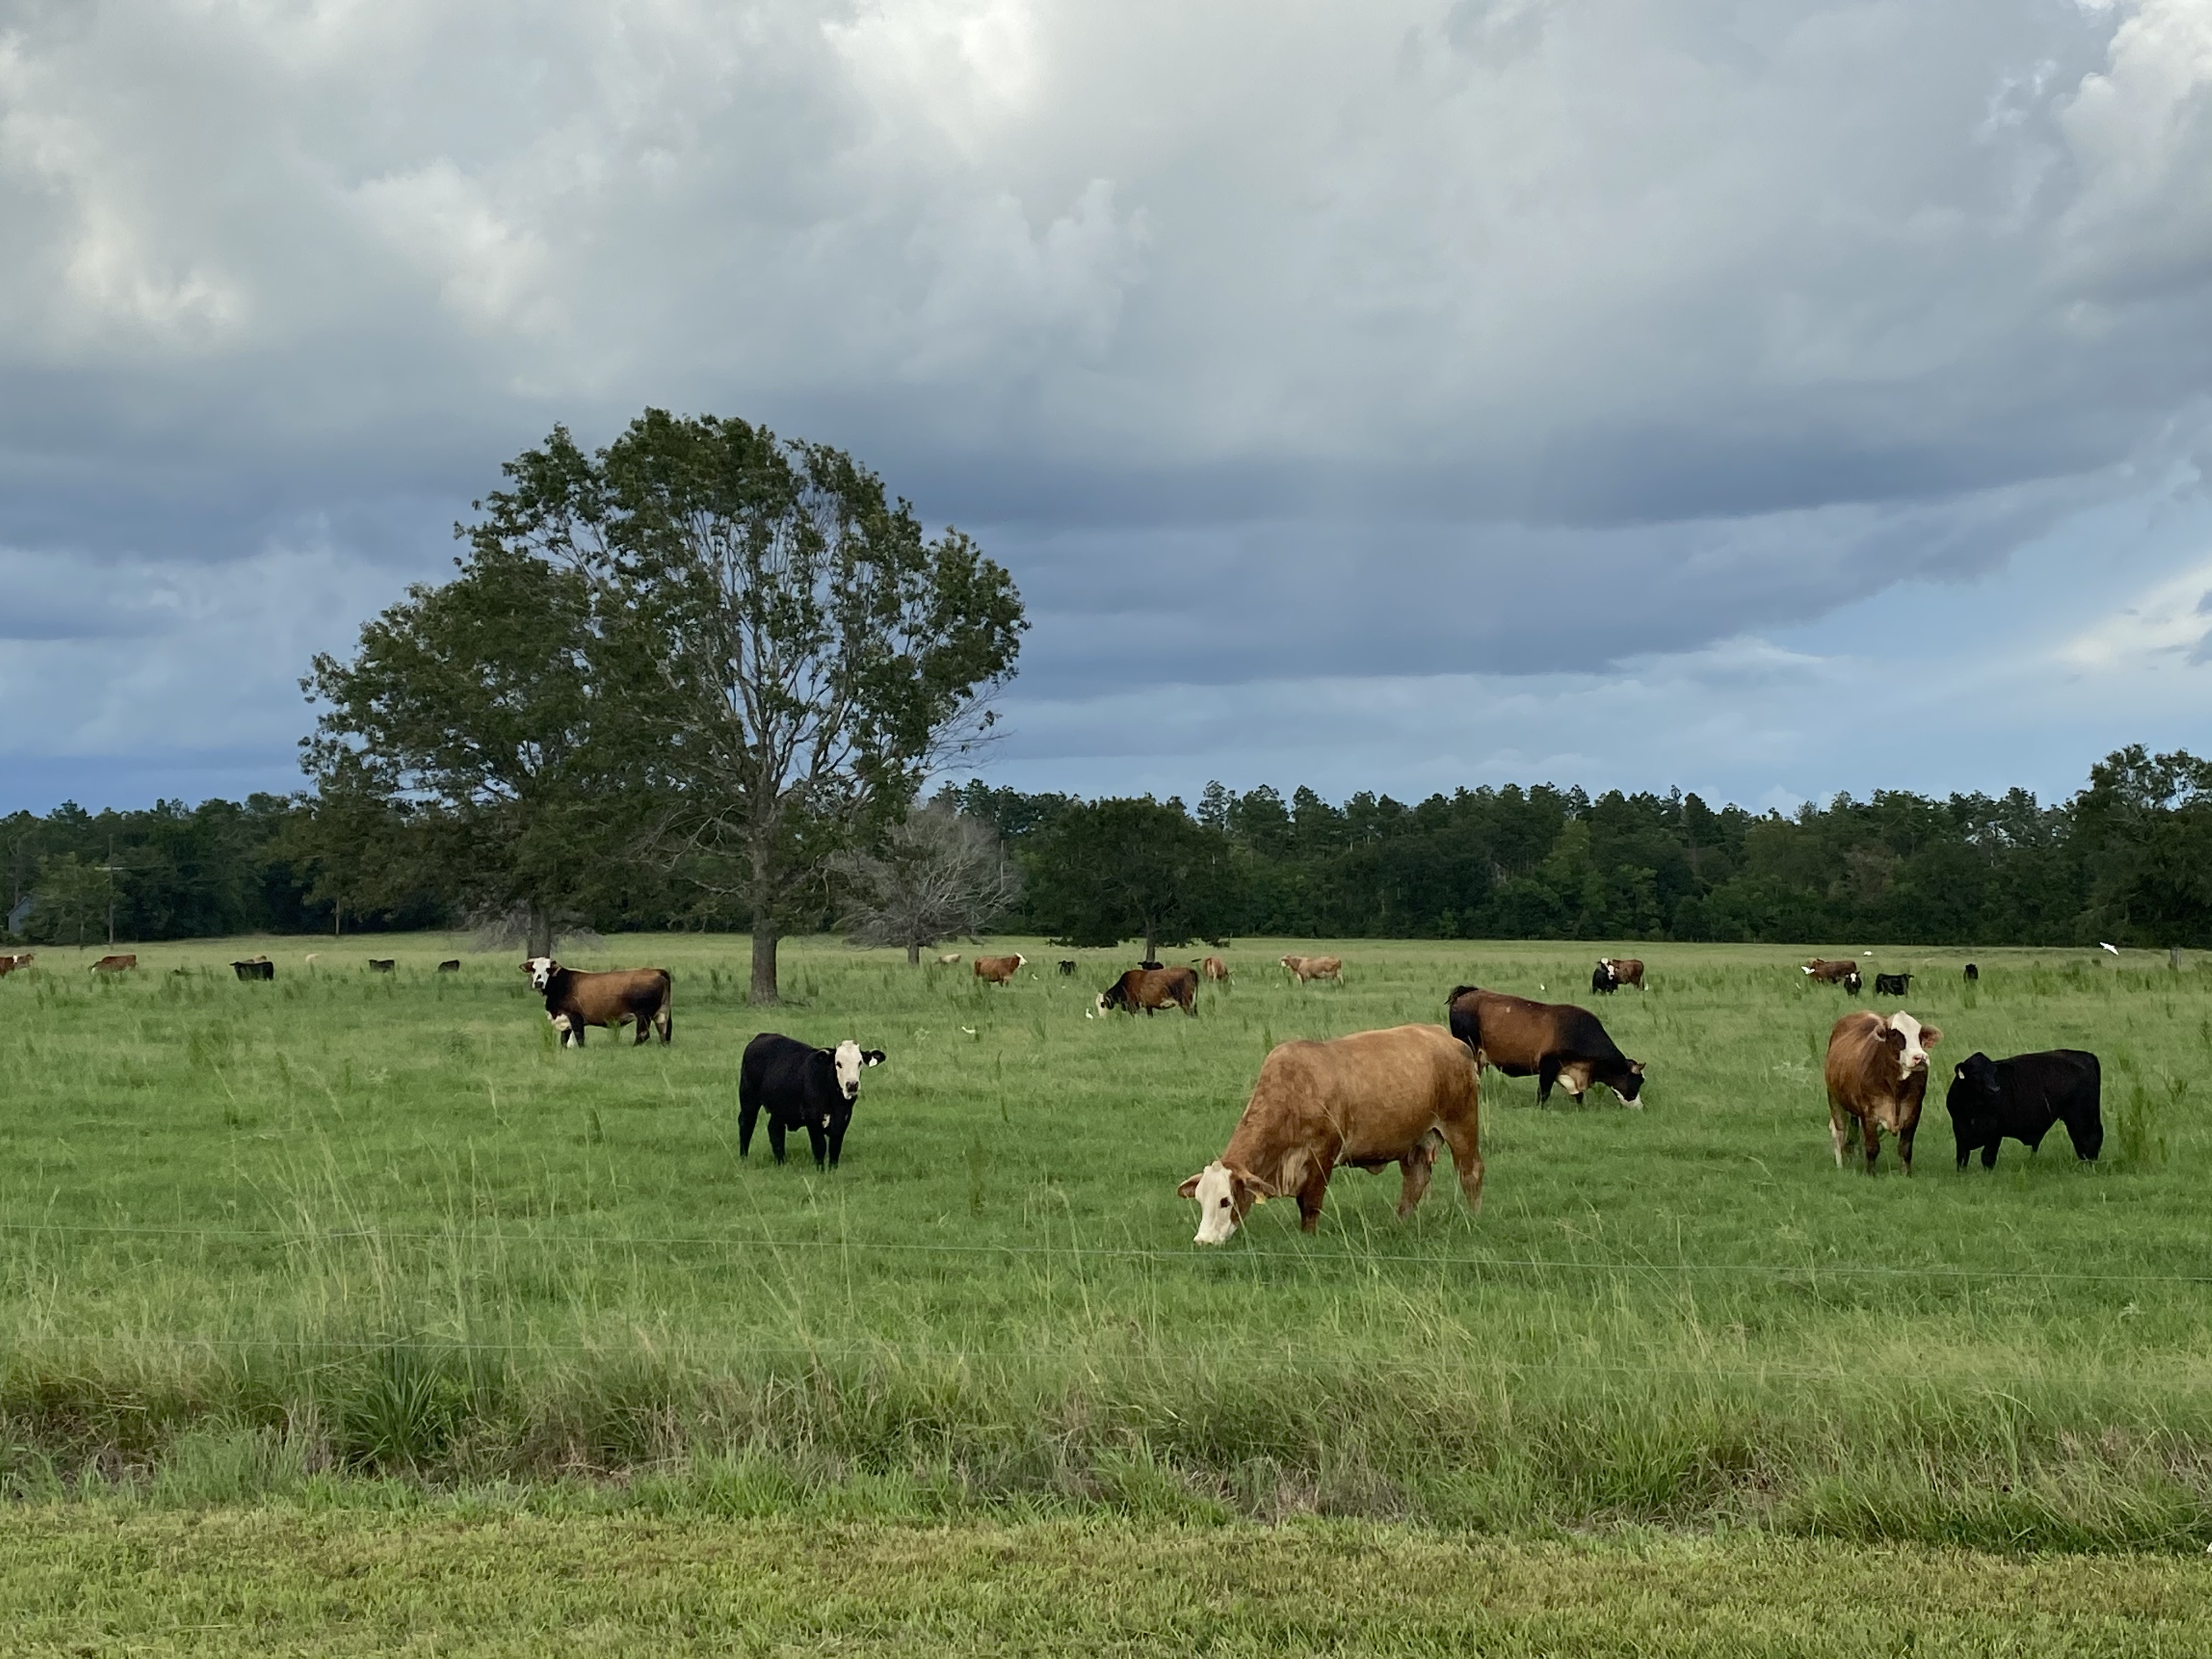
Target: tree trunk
{"type": "Point", "coordinates": [1151, 952]}
{"type": "Point", "coordinates": [913, 953]}
{"type": "Point", "coordinates": [764, 938]}
{"type": "Point", "coordinates": [2174, 955]}
{"type": "Point", "coordinates": [541, 933]}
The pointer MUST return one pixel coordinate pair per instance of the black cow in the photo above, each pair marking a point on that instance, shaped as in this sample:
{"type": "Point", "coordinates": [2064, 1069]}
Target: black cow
{"type": "Point", "coordinates": [255, 968]}
{"type": "Point", "coordinates": [1890, 985]}
{"type": "Point", "coordinates": [382, 965]}
{"type": "Point", "coordinates": [1972, 972]}
{"type": "Point", "coordinates": [453, 965]}
{"type": "Point", "coordinates": [1602, 982]}
{"type": "Point", "coordinates": [801, 1087]}
{"type": "Point", "coordinates": [1066, 969]}
{"type": "Point", "coordinates": [2022, 1097]}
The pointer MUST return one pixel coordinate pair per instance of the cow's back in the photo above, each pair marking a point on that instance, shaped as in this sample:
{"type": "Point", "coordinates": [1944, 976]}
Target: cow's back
{"type": "Point", "coordinates": [1369, 1095]}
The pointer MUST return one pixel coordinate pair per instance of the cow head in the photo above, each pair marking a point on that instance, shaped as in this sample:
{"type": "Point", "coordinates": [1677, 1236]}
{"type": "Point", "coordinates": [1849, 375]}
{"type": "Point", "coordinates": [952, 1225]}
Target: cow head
{"type": "Point", "coordinates": [1632, 1083]}
{"type": "Point", "coordinates": [849, 1059]}
{"type": "Point", "coordinates": [1908, 1042]}
{"type": "Point", "coordinates": [1116, 996]}
{"type": "Point", "coordinates": [541, 970]}
{"type": "Point", "coordinates": [1226, 1195]}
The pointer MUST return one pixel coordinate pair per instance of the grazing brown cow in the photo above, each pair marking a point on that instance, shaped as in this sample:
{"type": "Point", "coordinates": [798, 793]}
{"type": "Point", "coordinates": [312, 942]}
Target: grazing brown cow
{"type": "Point", "coordinates": [383, 964]}
{"type": "Point", "coordinates": [114, 964]}
{"type": "Point", "coordinates": [1373, 1098]}
{"type": "Point", "coordinates": [1214, 968]}
{"type": "Point", "coordinates": [998, 969]}
{"type": "Point", "coordinates": [452, 965]}
{"type": "Point", "coordinates": [1149, 988]}
{"type": "Point", "coordinates": [1551, 1041]}
{"type": "Point", "coordinates": [574, 1000]}
{"type": "Point", "coordinates": [1845, 974]}
{"type": "Point", "coordinates": [1623, 970]}
{"type": "Point", "coordinates": [9, 964]}
{"type": "Point", "coordinates": [1877, 1075]}
{"type": "Point", "coordinates": [1305, 968]}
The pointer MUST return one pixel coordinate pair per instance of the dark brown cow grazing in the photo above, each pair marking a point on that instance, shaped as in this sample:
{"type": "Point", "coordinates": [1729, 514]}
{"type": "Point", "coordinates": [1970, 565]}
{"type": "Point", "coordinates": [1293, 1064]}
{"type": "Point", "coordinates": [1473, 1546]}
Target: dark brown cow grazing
{"type": "Point", "coordinates": [382, 965]}
{"type": "Point", "coordinates": [254, 968]}
{"type": "Point", "coordinates": [1305, 968]}
{"type": "Point", "coordinates": [1149, 988]}
{"type": "Point", "coordinates": [1877, 1075]}
{"type": "Point", "coordinates": [1551, 1041]}
{"type": "Point", "coordinates": [574, 1000]}
{"type": "Point", "coordinates": [1214, 968]}
{"type": "Point", "coordinates": [1373, 1098]}
{"type": "Point", "coordinates": [114, 964]}
{"type": "Point", "coordinates": [1845, 974]}
{"type": "Point", "coordinates": [998, 970]}
{"type": "Point", "coordinates": [453, 966]}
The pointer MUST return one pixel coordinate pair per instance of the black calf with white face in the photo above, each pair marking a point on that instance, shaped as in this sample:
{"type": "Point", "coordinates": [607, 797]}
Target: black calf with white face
{"type": "Point", "coordinates": [801, 1087]}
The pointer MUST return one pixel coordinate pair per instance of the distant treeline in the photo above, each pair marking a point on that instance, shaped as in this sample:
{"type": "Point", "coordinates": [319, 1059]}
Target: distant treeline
{"type": "Point", "coordinates": [2129, 857]}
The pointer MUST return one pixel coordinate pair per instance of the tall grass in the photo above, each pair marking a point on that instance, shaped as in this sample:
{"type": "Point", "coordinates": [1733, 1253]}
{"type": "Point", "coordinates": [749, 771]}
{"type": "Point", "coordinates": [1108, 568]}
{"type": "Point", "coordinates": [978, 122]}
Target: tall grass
{"type": "Point", "coordinates": [337, 1226]}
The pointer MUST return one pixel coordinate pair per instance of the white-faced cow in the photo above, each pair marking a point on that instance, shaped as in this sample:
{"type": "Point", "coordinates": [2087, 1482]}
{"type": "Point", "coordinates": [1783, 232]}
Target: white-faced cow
{"type": "Point", "coordinates": [1151, 988]}
{"type": "Point", "coordinates": [1554, 1042]}
{"type": "Point", "coordinates": [574, 1000]}
{"type": "Point", "coordinates": [1845, 974]}
{"type": "Point", "coordinates": [998, 970]}
{"type": "Point", "coordinates": [1374, 1098]}
{"type": "Point", "coordinates": [1307, 968]}
{"type": "Point", "coordinates": [1877, 1077]}
{"type": "Point", "coordinates": [801, 1087]}
{"type": "Point", "coordinates": [116, 964]}
{"type": "Point", "coordinates": [9, 964]}
{"type": "Point", "coordinates": [1613, 972]}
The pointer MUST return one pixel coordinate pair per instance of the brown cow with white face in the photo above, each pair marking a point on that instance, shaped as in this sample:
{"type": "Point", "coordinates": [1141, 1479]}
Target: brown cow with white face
{"type": "Point", "coordinates": [576, 1000]}
{"type": "Point", "coordinates": [1845, 974]}
{"type": "Point", "coordinates": [1305, 968]}
{"type": "Point", "coordinates": [9, 964]}
{"type": "Point", "coordinates": [1877, 1076]}
{"type": "Point", "coordinates": [1373, 1098]}
{"type": "Point", "coordinates": [998, 970]}
{"type": "Point", "coordinates": [1623, 970]}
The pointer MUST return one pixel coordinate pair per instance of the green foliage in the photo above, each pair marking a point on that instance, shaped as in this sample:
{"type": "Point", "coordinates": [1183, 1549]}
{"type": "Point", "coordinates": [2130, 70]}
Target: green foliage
{"type": "Point", "coordinates": [1110, 870]}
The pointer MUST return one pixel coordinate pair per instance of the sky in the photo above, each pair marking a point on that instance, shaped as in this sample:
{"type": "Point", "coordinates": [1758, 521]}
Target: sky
{"type": "Point", "coordinates": [1767, 398]}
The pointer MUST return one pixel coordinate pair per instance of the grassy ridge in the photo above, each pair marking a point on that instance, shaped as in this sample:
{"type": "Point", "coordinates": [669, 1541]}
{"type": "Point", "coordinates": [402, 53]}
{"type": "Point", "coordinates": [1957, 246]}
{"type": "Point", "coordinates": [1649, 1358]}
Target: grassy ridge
{"type": "Point", "coordinates": [83, 1578]}
{"type": "Point", "coordinates": [377, 1222]}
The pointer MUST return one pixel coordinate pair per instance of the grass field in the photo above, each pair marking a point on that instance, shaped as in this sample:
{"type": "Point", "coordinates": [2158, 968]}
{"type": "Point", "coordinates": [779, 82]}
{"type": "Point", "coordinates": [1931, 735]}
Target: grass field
{"type": "Point", "coordinates": [257, 1238]}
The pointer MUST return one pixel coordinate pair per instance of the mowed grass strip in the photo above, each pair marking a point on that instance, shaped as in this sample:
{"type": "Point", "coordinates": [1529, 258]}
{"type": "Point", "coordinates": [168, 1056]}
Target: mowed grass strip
{"type": "Point", "coordinates": [77, 1579]}
{"type": "Point", "coordinates": [379, 1222]}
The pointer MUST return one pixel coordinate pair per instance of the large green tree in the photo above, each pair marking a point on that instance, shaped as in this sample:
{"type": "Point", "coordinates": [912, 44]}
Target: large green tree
{"type": "Point", "coordinates": [466, 717]}
{"type": "Point", "coordinates": [2144, 827]}
{"type": "Point", "coordinates": [782, 654]}
{"type": "Point", "coordinates": [1111, 870]}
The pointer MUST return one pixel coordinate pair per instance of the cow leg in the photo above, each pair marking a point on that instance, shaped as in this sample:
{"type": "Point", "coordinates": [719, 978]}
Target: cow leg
{"type": "Point", "coordinates": [1844, 1130]}
{"type": "Point", "coordinates": [1988, 1157]}
{"type": "Point", "coordinates": [644, 1021]}
{"type": "Point", "coordinates": [775, 1137]}
{"type": "Point", "coordinates": [1465, 1140]}
{"type": "Point", "coordinates": [747, 1114]}
{"type": "Point", "coordinates": [1547, 1073]}
{"type": "Point", "coordinates": [819, 1142]}
{"type": "Point", "coordinates": [836, 1143]}
{"type": "Point", "coordinates": [1870, 1133]}
{"type": "Point", "coordinates": [666, 1022]}
{"type": "Point", "coordinates": [1904, 1145]}
{"type": "Point", "coordinates": [1311, 1191]}
{"type": "Point", "coordinates": [1415, 1167]}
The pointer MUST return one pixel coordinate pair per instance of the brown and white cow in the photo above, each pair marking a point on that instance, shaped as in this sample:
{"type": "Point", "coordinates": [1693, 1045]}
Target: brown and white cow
{"type": "Point", "coordinates": [1369, 1099]}
{"type": "Point", "coordinates": [9, 964]}
{"type": "Point", "coordinates": [1877, 1076]}
{"type": "Point", "coordinates": [1305, 968]}
{"type": "Point", "coordinates": [1214, 968]}
{"type": "Point", "coordinates": [1845, 974]}
{"type": "Point", "coordinates": [1623, 970]}
{"type": "Point", "coordinates": [951, 959]}
{"type": "Point", "coordinates": [574, 1000]}
{"type": "Point", "coordinates": [1151, 988]}
{"type": "Point", "coordinates": [998, 970]}
{"type": "Point", "coordinates": [115, 964]}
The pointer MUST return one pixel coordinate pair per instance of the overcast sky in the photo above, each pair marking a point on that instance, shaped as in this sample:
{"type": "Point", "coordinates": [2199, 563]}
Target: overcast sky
{"type": "Point", "coordinates": [1767, 398]}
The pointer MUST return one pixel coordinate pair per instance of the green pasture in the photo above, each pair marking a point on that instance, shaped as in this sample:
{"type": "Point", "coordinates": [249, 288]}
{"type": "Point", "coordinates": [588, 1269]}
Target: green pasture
{"type": "Point", "coordinates": [258, 1236]}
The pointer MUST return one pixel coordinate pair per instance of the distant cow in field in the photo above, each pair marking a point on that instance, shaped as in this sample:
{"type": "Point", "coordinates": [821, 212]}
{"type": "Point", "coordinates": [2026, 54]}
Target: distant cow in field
{"type": "Point", "coordinates": [9, 964]}
{"type": "Point", "coordinates": [115, 964]}
{"type": "Point", "coordinates": [574, 1000]}
{"type": "Point", "coordinates": [1621, 970]}
{"type": "Point", "coordinates": [1845, 974]}
{"type": "Point", "coordinates": [1306, 967]}
{"type": "Point", "coordinates": [801, 1087]}
{"type": "Point", "coordinates": [1066, 969]}
{"type": "Point", "coordinates": [951, 960]}
{"type": "Point", "coordinates": [254, 968]}
{"type": "Point", "coordinates": [382, 965]}
{"type": "Point", "coordinates": [1972, 972]}
{"type": "Point", "coordinates": [2020, 1098]}
{"type": "Point", "coordinates": [1892, 985]}
{"type": "Point", "coordinates": [1215, 969]}
{"type": "Point", "coordinates": [1151, 988]}
{"type": "Point", "coordinates": [998, 970]}
{"type": "Point", "coordinates": [452, 966]}
{"type": "Point", "coordinates": [1370, 1099]}
{"type": "Point", "coordinates": [1554, 1042]}
{"type": "Point", "coordinates": [1877, 1077]}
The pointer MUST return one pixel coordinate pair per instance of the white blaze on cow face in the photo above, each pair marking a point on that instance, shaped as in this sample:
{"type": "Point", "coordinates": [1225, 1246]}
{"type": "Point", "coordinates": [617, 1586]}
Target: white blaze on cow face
{"type": "Point", "coordinates": [1913, 1056]}
{"type": "Point", "coordinates": [1219, 1212]}
{"type": "Point", "coordinates": [540, 970]}
{"type": "Point", "coordinates": [846, 1060]}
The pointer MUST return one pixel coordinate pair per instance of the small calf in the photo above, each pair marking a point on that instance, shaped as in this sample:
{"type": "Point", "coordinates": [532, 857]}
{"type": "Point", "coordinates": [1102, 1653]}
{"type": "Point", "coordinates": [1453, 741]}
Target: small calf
{"type": "Point", "coordinates": [1066, 969]}
{"type": "Point", "coordinates": [801, 1087]}
{"type": "Point", "coordinates": [2020, 1098]}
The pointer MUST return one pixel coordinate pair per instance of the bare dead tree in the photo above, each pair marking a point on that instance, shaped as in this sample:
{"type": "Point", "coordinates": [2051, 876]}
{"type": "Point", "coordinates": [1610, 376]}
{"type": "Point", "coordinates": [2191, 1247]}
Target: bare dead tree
{"type": "Point", "coordinates": [936, 875]}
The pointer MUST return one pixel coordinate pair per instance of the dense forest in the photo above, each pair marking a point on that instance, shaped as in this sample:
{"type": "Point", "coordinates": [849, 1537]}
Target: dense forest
{"type": "Point", "coordinates": [2129, 857]}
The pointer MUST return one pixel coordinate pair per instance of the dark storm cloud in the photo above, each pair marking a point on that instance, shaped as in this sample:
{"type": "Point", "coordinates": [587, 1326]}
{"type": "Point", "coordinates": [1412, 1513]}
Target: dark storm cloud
{"type": "Point", "coordinates": [1405, 339]}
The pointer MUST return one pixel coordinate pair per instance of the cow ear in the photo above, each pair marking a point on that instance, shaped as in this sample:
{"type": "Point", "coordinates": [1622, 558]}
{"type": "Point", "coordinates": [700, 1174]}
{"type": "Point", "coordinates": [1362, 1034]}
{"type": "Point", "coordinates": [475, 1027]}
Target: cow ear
{"type": "Point", "coordinates": [1929, 1037]}
{"type": "Point", "coordinates": [1244, 1178]}
{"type": "Point", "coordinates": [1637, 1067]}
{"type": "Point", "coordinates": [872, 1057]}
{"type": "Point", "coordinates": [1189, 1189]}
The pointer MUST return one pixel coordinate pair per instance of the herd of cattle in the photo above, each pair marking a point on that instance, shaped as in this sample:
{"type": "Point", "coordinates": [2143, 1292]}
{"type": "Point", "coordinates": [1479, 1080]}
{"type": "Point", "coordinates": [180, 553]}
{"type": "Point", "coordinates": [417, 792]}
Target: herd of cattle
{"type": "Point", "coordinates": [1374, 1098]}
